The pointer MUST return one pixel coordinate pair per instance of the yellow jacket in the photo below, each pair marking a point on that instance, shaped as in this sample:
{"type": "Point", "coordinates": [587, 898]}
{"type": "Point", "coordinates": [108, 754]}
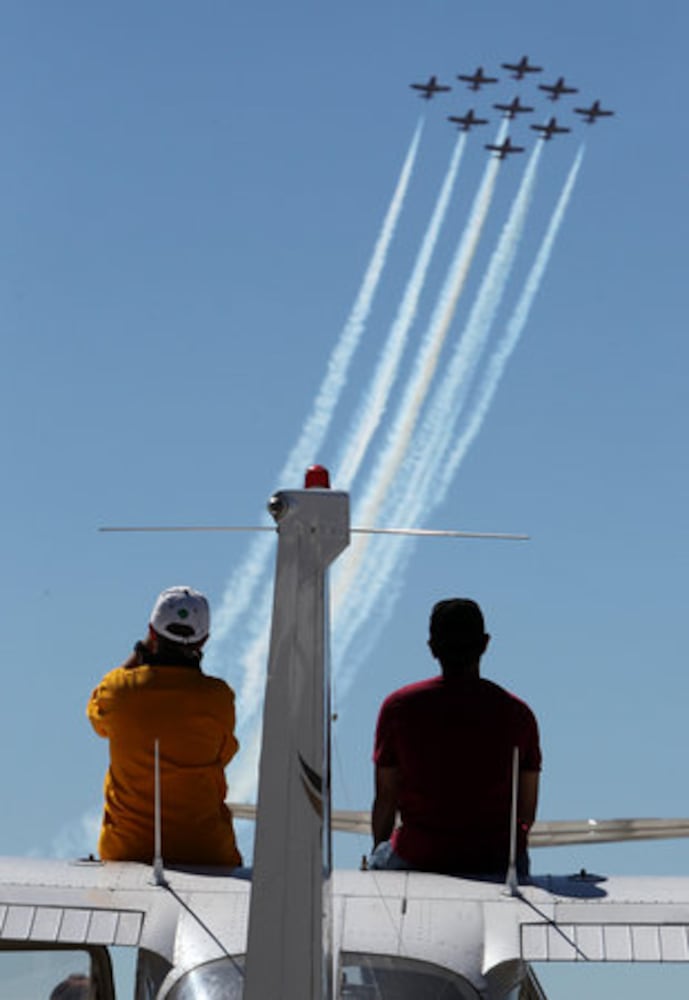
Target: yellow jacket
{"type": "Point", "coordinates": [192, 717]}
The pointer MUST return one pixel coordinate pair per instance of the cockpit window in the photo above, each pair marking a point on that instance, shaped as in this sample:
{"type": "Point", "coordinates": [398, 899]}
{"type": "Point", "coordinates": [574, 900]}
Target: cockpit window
{"type": "Point", "coordinates": [375, 977]}
{"type": "Point", "coordinates": [362, 977]}
{"type": "Point", "coordinates": [222, 979]}
{"type": "Point", "coordinates": [64, 974]}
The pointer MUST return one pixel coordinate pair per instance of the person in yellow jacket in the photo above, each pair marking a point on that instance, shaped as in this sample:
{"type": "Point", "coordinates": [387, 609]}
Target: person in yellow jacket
{"type": "Point", "coordinates": [160, 693]}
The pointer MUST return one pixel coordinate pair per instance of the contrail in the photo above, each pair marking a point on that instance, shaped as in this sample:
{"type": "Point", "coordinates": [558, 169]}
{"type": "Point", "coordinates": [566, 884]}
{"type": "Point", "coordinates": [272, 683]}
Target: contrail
{"type": "Point", "coordinates": [374, 405]}
{"type": "Point", "coordinates": [328, 395]}
{"type": "Point", "coordinates": [414, 492]}
{"type": "Point", "coordinates": [514, 329]}
{"type": "Point", "coordinates": [243, 582]}
{"type": "Point", "coordinates": [435, 435]}
{"type": "Point", "coordinates": [404, 423]}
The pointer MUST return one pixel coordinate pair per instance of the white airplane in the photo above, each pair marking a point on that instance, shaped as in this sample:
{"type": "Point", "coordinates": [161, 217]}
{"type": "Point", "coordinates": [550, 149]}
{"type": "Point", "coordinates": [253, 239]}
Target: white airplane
{"type": "Point", "coordinates": [299, 930]}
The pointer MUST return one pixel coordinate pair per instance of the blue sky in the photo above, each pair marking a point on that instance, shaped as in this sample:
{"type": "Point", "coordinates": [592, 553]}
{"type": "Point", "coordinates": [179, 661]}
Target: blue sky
{"type": "Point", "coordinates": [189, 200]}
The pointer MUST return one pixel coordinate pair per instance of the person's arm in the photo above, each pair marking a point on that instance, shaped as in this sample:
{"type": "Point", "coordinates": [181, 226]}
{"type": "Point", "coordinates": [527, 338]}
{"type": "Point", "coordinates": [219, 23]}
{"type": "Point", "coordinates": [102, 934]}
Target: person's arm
{"type": "Point", "coordinates": [385, 803]}
{"type": "Point", "coordinates": [99, 706]}
{"type": "Point", "coordinates": [527, 800]}
{"type": "Point", "coordinates": [230, 743]}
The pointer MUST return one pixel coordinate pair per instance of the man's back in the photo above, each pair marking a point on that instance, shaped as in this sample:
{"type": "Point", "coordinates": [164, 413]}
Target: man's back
{"type": "Point", "coordinates": [192, 717]}
{"type": "Point", "coordinates": [452, 743]}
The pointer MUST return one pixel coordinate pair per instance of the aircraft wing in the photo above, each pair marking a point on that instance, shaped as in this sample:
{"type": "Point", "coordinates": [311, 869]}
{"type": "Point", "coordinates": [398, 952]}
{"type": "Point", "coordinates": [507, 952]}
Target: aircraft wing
{"type": "Point", "coordinates": [343, 820]}
{"type": "Point", "coordinates": [484, 934]}
{"type": "Point", "coordinates": [591, 831]}
{"type": "Point", "coordinates": [544, 833]}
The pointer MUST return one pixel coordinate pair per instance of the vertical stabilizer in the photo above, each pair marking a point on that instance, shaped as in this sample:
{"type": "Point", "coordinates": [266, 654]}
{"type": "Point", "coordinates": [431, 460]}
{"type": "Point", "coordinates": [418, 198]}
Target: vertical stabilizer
{"type": "Point", "coordinates": [288, 953]}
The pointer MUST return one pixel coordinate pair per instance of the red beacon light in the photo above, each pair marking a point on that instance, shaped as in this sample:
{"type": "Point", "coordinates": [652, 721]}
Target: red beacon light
{"type": "Point", "coordinates": [317, 477]}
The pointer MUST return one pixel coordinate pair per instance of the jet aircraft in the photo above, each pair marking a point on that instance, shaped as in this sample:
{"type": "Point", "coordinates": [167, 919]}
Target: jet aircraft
{"type": "Point", "coordinates": [520, 69]}
{"type": "Point", "coordinates": [551, 129]}
{"type": "Point", "coordinates": [430, 88]}
{"type": "Point", "coordinates": [513, 108]}
{"type": "Point", "coordinates": [477, 79]}
{"type": "Point", "coordinates": [296, 929]}
{"type": "Point", "coordinates": [504, 148]}
{"type": "Point", "coordinates": [592, 113]}
{"type": "Point", "coordinates": [464, 122]}
{"type": "Point", "coordinates": [557, 89]}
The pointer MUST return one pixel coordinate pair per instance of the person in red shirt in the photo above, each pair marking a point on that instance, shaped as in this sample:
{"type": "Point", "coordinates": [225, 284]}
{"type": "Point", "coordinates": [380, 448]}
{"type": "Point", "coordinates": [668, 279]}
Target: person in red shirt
{"type": "Point", "coordinates": [160, 693]}
{"type": "Point", "coordinates": [444, 752]}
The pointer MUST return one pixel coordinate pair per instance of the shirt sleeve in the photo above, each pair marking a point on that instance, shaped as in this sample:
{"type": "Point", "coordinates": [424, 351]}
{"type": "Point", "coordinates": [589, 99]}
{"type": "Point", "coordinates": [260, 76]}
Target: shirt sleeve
{"type": "Point", "coordinates": [531, 758]}
{"type": "Point", "coordinates": [99, 705]}
{"type": "Point", "coordinates": [230, 744]}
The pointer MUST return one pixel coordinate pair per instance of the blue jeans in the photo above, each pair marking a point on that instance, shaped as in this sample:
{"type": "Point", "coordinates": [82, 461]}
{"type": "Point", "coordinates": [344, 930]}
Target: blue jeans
{"type": "Point", "coordinates": [384, 858]}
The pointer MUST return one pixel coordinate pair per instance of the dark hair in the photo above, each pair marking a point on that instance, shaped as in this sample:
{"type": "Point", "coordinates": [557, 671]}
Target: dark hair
{"type": "Point", "coordinates": [457, 634]}
{"type": "Point", "coordinates": [175, 654]}
{"type": "Point", "coordinates": [74, 987]}
{"type": "Point", "coordinates": [457, 619]}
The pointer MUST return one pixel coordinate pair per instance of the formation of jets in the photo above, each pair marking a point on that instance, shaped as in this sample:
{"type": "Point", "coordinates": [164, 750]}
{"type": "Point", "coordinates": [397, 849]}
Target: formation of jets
{"type": "Point", "coordinates": [518, 71]}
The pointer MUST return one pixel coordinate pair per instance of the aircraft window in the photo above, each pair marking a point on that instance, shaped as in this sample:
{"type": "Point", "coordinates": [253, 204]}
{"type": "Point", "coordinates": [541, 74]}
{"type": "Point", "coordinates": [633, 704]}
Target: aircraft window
{"type": "Point", "coordinates": [65, 974]}
{"type": "Point", "coordinates": [375, 977]}
{"type": "Point", "coordinates": [222, 979]}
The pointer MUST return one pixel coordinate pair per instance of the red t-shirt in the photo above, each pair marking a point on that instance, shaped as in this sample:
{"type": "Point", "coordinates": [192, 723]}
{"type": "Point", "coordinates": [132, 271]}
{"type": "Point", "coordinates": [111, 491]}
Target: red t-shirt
{"type": "Point", "coordinates": [453, 743]}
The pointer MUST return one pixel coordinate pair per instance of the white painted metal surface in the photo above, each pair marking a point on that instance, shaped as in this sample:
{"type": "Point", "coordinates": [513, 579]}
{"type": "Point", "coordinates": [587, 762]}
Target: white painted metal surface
{"type": "Point", "coordinates": [289, 925]}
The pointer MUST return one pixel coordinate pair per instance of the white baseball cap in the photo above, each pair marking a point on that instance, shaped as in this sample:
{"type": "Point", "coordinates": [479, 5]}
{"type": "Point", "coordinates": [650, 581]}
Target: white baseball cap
{"type": "Point", "coordinates": [182, 615]}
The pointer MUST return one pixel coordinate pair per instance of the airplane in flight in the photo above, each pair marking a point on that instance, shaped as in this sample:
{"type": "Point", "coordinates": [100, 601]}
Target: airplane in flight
{"type": "Point", "coordinates": [477, 79]}
{"type": "Point", "coordinates": [504, 148]}
{"type": "Point", "coordinates": [430, 88]}
{"type": "Point", "coordinates": [513, 108]}
{"type": "Point", "coordinates": [592, 113]}
{"type": "Point", "coordinates": [464, 122]}
{"type": "Point", "coordinates": [520, 69]}
{"type": "Point", "coordinates": [293, 928]}
{"type": "Point", "coordinates": [557, 89]}
{"type": "Point", "coordinates": [551, 129]}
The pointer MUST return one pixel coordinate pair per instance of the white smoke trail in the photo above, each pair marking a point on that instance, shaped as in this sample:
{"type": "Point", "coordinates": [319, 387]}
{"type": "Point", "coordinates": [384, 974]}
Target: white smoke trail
{"type": "Point", "coordinates": [414, 493]}
{"type": "Point", "coordinates": [245, 579]}
{"type": "Point", "coordinates": [413, 397]}
{"type": "Point", "coordinates": [374, 405]}
{"type": "Point", "coordinates": [418, 490]}
{"type": "Point", "coordinates": [514, 329]}
{"type": "Point", "coordinates": [328, 395]}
